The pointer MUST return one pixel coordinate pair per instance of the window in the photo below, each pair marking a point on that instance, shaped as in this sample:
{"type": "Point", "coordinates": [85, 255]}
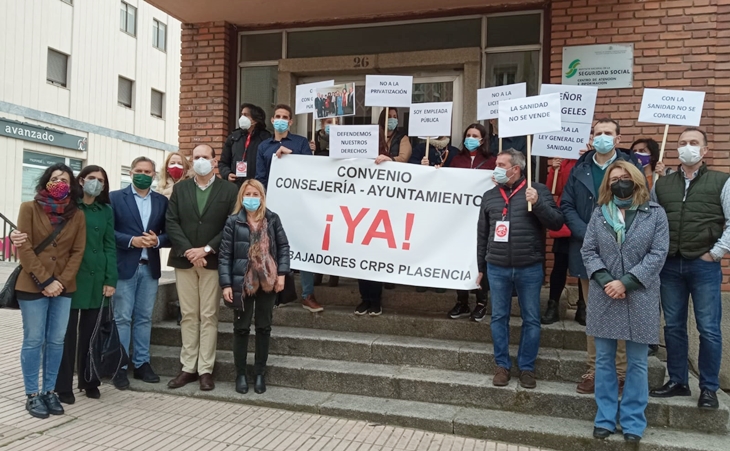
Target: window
{"type": "Point", "coordinates": [157, 103]}
{"type": "Point", "coordinates": [159, 35]}
{"type": "Point", "coordinates": [125, 92]}
{"type": "Point", "coordinates": [500, 30]}
{"type": "Point", "coordinates": [128, 16]}
{"type": "Point", "coordinates": [261, 47]}
{"type": "Point", "coordinates": [34, 164]}
{"type": "Point", "coordinates": [259, 86]}
{"type": "Point", "coordinates": [57, 71]}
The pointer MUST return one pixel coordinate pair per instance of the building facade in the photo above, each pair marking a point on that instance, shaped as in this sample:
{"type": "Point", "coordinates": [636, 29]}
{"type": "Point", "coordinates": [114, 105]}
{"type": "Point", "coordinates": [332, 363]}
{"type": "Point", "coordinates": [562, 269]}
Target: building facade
{"type": "Point", "coordinates": [84, 83]}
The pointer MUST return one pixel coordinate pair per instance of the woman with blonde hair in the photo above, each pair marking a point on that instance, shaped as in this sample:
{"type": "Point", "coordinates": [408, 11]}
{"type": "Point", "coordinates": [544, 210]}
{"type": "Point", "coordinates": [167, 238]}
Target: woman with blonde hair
{"type": "Point", "coordinates": [253, 260]}
{"type": "Point", "coordinates": [624, 250]}
{"type": "Point", "coordinates": [177, 168]}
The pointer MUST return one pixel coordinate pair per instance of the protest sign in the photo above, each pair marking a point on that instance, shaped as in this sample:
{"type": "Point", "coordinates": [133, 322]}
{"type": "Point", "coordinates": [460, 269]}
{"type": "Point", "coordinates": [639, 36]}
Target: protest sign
{"type": "Point", "coordinates": [529, 115]}
{"type": "Point", "coordinates": [664, 106]}
{"type": "Point", "coordinates": [488, 99]}
{"type": "Point", "coordinates": [577, 103]}
{"type": "Point", "coordinates": [566, 143]}
{"type": "Point", "coordinates": [354, 141]}
{"type": "Point", "coordinates": [430, 119]}
{"type": "Point", "coordinates": [306, 94]}
{"type": "Point", "coordinates": [386, 222]}
{"type": "Point", "coordinates": [388, 90]}
{"type": "Point", "coordinates": [335, 101]}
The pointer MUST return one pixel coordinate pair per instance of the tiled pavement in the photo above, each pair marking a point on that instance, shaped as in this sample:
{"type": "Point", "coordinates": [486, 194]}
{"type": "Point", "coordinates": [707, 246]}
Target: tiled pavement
{"type": "Point", "coordinates": [150, 422]}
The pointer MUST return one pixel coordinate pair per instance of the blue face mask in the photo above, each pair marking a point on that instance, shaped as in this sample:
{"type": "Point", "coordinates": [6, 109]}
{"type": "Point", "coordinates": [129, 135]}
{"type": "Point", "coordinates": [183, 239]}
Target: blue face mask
{"type": "Point", "coordinates": [281, 125]}
{"type": "Point", "coordinates": [471, 143]}
{"type": "Point", "coordinates": [251, 203]}
{"type": "Point", "coordinates": [500, 175]}
{"type": "Point", "coordinates": [392, 123]}
{"type": "Point", "coordinates": [603, 144]}
{"type": "Point", "coordinates": [327, 129]}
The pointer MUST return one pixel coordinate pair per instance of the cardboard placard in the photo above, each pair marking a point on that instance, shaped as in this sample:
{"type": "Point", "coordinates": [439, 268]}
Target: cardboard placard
{"type": "Point", "coordinates": [354, 141]}
{"type": "Point", "coordinates": [306, 94]}
{"type": "Point", "coordinates": [388, 90]}
{"type": "Point", "coordinates": [577, 103]}
{"type": "Point", "coordinates": [529, 115]}
{"type": "Point", "coordinates": [430, 119]}
{"type": "Point", "coordinates": [672, 107]}
{"type": "Point", "coordinates": [488, 99]}
{"type": "Point", "coordinates": [566, 143]}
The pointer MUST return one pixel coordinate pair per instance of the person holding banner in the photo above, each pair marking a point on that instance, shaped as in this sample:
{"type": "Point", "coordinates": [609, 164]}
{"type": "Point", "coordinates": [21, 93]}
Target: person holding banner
{"type": "Point", "coordinates": [394, 142]}
{"type": "Point", "coordinates": [475, 153]}
{"type": "Point", "coordinates": [697, 202]}
{"type": "Point", "coordinates": [238, 159]}
{"type": "Point", "coordinates": [511, 251]}
{"type": "Point", "coordinates": [624, 249]}
{"type": "Point", "coordinates": [253, 261]}
{"type": "Point", "coordinates": [646, 150]}
{"type": "Point", "coordinates": [440, 152]}
{"type": "Point", "coordinates": [578, 202]}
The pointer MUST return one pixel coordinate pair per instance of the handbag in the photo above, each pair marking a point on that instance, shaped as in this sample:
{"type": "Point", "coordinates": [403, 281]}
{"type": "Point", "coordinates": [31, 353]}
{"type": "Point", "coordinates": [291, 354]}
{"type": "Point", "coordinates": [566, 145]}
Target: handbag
{"type": "Point", "coordinates": [106, 355]}
{"type": "Point", "coordinates": [564, 232]}
{"type": "Point", "coordinates": [289, 293]}
{"type": "Point", "coordinates": [8, 297]}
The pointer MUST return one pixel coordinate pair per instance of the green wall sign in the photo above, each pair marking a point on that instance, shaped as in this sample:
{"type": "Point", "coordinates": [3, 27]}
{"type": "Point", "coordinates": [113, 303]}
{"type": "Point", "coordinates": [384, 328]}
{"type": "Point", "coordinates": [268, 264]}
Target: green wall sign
{"type": "Point", "coordinates": [29, 132]}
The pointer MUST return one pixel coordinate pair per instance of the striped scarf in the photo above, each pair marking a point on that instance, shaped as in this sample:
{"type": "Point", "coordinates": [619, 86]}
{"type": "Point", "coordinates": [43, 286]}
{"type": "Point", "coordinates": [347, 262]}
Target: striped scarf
{"type": "Point", "coordinates": [54, 208]}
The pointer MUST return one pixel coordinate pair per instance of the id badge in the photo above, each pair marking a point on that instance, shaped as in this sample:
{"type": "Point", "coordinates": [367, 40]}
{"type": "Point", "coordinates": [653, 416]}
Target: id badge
{"type": "Point", "coordinates": [241, 169]}
{"type": "Point", "coordinates": [501, 232]}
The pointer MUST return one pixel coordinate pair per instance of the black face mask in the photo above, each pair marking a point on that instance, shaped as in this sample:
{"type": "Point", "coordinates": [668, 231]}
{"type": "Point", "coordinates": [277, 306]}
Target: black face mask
{"type": "Point", "coordinates": [622, 188]}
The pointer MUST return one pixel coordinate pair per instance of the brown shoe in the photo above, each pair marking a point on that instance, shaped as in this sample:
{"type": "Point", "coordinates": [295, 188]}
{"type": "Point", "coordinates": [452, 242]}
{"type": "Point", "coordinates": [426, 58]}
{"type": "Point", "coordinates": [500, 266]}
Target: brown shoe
{"type": "Point", "coordinates": [207, 383]}
{"type": "Point", "coordinates": [587, 386]}
{"type": "Point", "coordinates": [182, 380]}
{"type": "Point", "coordinates": [501, 377]}
{"type": "Point", "coordinates": [310, 303]}
{"type": "Point", "coordinates": [527, 379]}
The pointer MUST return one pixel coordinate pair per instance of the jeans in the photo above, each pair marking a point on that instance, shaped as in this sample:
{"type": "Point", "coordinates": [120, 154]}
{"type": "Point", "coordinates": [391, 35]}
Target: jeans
{"type": "Point", "coordinates": [680, 279]}
{"type": "Point", "coordinates": [307, 279]}
{"type": "Point", "coordinates": [261, 309]}
{"type": "Point", "coordinates": [527, 281]}
{"type": "Point", "coordinates": [636, 389]}
{"type": "Point", "coordinates": [44, 328]}
{"type": "Point", "coordinates": [370, 292]}
{"type": "Point", "coordinates": [134, 301]}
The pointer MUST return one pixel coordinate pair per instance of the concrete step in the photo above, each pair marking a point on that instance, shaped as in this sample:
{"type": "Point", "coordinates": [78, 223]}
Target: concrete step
{"type": "Point", "coordinates": [463, 389]}
{"type": "Point", "coordinates": [552, 364]}
{"type": "Point", "coordinates": [561, 335]}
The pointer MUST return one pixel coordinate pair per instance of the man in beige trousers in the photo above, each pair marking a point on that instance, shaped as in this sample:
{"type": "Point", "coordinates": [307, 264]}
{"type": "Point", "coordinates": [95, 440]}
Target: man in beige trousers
{"type": "Point", "coordinates": [196, 215]}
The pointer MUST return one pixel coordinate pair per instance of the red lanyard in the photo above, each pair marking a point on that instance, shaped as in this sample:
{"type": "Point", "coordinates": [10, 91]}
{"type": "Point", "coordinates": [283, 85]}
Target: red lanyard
{"type": "Point", "coordinates": [507, 199]}
{"type": "Point", "coordinates": [245, 148]}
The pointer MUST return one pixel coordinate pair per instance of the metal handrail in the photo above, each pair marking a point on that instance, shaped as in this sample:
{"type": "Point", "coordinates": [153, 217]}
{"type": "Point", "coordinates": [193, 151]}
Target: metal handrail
{"type": "Point", "coordinates": [8, 252]}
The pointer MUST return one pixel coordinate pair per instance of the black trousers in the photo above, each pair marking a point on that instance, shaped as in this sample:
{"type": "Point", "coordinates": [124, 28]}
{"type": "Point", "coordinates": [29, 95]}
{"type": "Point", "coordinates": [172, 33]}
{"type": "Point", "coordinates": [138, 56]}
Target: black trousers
{"type": "Point", "coordinates": [260, 308]}
{"type": "Point", "coordinates": [558, 276]}
{"type": "Point", "coordinates": [75, 351]}
{"type": "Point", "coordinates": [481, 293]}
{"type": "Point", "coordinates": [370, 292]}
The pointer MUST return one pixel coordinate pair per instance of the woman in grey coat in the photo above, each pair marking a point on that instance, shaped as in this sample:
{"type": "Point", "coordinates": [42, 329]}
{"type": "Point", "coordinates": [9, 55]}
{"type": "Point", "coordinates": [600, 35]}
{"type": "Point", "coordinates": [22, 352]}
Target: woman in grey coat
{"type": "Point", "coordinates": [624, 250]}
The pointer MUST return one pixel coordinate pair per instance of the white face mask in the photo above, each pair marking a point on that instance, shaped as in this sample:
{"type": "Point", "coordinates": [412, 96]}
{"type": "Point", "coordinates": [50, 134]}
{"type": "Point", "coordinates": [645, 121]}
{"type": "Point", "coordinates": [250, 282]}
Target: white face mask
{"type": "Point", "coordinates": [690, 155]}
{"type": "Point", "coordinates": [244, 123]}
{"type": "Point", "coordinates": [202, 167]}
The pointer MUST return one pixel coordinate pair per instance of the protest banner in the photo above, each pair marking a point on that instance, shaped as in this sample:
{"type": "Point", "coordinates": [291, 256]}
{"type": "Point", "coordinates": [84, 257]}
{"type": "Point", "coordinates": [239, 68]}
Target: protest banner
{"type": "Point", "coordinates": [386, 222]}
{"type": "Point", "coordinates": [577, 103]}
{"type": "Point", "coordinates": [354, 141]}
{"type": "Point", "coordinates": [488, 99]}
{"type": "Point", "coordinates": [671, 107]}
{"type": "Point", "coordinates": [307, 101]}
{"type": "Point", "coordinates": [336, 100]}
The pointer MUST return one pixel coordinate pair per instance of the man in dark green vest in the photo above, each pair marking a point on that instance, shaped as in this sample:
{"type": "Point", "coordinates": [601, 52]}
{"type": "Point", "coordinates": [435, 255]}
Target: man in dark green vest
{"type": "Point", "coordinates": [697, 202]}
{"type": "Point", "coordinates": [195, 219]}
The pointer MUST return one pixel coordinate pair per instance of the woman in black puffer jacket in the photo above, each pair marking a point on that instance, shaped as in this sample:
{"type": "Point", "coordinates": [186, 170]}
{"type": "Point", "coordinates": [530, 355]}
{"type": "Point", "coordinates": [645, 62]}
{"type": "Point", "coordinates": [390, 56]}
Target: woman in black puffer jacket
{"type": "Point", "coordinates": [253, 260]}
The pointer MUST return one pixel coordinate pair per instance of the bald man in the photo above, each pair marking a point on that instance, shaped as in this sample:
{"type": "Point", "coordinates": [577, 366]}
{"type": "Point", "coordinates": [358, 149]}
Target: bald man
{"type": "Point", "coordinates": [196, 216]}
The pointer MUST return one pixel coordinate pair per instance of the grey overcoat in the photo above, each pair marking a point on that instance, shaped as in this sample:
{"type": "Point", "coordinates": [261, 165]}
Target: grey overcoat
{"type": "Point", "coordinates": [643, 253]}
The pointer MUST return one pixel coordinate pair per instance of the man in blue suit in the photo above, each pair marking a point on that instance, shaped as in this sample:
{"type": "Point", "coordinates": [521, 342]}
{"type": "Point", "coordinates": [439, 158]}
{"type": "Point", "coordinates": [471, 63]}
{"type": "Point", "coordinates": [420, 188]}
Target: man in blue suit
{"type": "Point", "coordinates": [139, 228]}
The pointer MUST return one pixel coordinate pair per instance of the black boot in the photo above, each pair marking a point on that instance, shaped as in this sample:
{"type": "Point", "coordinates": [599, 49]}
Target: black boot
{"type": "Point", "coordinates": [259, 385]}
{"type": "Point", "coordinates": [242, 384]}
{"type": "Point", "coordinates": [580, 313]}
{"type": "Point", "coordinates": [552, 315]}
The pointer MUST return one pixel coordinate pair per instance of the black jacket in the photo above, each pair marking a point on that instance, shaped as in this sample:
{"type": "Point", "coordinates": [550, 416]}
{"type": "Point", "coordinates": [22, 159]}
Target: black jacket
{"type": "Point", "coordinates": [233, 252]}
{"type": "Point", "coordinates": [526, 244]}
{"type": "Point", "coordinates": [233, 151]}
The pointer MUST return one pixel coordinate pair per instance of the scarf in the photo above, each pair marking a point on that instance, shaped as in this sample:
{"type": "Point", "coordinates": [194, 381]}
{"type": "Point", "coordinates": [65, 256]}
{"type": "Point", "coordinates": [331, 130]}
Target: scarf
{"type": "Point", "coordinates": [440, 144]}
{"type": "Point", "coordinates": [53, 208]}
{"type": "Point", "coordinates": [262, 270]}
{"type": "Point", "coordinates": [615, 219]}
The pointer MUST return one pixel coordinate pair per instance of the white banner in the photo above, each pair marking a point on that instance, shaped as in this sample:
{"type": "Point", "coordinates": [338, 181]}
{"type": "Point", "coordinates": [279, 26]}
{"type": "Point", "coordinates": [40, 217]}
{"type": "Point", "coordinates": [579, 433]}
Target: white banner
{"type": "Point", "coordinates": [354, 141]}
{"type": "Point", "coordinates": [305, 96]}
{"type": "Point", "coordinates": [388, 90]}
{"type": "Point", "coordinates": [399, 223]}
{"type": "Point", "coordinates": [563, 144]}
{"type": "Point", "coordinates": [529, 115]}
{"type": "Point", "coordinates": [430, 119]}
{"type": "Point", "coordinates": [577, 103]}
{"type": "Point", "coordinates": [488, 99]}
{"type": "Point", "coordinates": [664, 106]}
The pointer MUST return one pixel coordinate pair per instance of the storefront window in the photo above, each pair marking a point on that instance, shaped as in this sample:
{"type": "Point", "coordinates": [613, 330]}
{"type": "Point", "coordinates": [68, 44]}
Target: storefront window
{"type": "Point", "coordinates": [258, 86]}
{"type": "Point", "coordinates": [34, 164]}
